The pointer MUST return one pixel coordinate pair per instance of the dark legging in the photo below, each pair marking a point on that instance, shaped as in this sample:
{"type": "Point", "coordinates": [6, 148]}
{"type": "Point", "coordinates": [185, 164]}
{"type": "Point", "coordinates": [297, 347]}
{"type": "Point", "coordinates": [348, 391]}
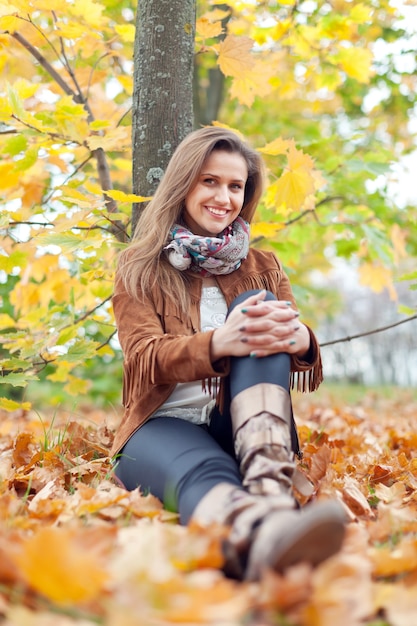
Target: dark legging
{"type": "Point", "coordinates": [179, 462]}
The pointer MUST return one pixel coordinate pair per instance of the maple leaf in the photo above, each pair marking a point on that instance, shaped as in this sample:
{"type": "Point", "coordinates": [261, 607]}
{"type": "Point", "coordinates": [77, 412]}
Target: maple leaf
{"type": "Point", "coordinates": [356, 62]}
{"type": "Point", "coordinates": [297, 182]}
{"type": "Point", "coordinates": [121, 196]}
{"type": "Point", "coordinates": [253, 82]}
{"type": "Point", "coordinates": [399, 241]}
{"type": "Point", "coordinates": [69, 573]}
{"type": "Point", "coordinates": [234, 56]}
{"type": "Point", "coordinates": [378, 278]}
{"type": "Point", "coordinates": [265, 229]}
{"type": "Point", "coordinates": [11, 405]}
{"type": "Point", "coordinates": [277, 146]}
{"type": "Point", "coordinates": [207, 28]}
{"type": "Point", "coordinates": [89, 11]}
{"type": "Point", "coordinates": [126, 32]}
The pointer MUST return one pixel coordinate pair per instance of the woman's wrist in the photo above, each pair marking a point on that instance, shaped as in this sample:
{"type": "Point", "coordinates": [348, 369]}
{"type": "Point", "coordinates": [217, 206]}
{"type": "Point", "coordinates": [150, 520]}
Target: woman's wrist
{"type": "Point", "coordinates": [217, 346]}
{"type": "Point", "coordinates": [303, 342]}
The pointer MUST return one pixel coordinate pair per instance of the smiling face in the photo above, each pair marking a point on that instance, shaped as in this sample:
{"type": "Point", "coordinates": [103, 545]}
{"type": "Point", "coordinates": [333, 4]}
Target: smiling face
{"type": "Point", "coordinates": [217, 198]}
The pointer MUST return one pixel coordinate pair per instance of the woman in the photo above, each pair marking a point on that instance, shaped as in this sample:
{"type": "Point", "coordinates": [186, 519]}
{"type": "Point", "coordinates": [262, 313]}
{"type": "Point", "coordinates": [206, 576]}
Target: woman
{"type": "Point", "coordinates": [212, 343]}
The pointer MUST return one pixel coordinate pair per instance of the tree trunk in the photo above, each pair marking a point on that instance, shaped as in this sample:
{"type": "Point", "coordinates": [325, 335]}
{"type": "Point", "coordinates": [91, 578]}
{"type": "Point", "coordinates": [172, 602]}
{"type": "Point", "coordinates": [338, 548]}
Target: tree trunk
{"type": "Point", "coordinates": [162, 93]}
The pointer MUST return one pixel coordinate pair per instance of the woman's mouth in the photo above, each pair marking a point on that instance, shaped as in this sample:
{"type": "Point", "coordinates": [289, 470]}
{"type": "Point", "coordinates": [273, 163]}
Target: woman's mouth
{"type": "Point", "coordinates": [217, 212]}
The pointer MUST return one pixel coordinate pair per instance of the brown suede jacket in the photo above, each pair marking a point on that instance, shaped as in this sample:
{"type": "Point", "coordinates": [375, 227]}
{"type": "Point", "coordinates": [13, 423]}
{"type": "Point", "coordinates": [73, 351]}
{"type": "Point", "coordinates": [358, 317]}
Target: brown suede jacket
{"type": "Point", "coordinates": [162, 347]}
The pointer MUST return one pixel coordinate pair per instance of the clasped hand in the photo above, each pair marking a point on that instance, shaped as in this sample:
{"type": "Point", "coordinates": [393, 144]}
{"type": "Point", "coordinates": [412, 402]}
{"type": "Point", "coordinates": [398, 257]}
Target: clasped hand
{"type": "Point", "coordinates": [259, 327]}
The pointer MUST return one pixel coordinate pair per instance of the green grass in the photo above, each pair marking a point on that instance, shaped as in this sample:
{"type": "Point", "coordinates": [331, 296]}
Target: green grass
{"type": "Point", "coordinates": [340, 393]}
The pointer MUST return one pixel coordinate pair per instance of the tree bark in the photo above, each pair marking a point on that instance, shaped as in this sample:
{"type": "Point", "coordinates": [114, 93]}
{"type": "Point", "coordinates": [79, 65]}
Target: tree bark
{"type": "Point", "coordinates": [162, 93]}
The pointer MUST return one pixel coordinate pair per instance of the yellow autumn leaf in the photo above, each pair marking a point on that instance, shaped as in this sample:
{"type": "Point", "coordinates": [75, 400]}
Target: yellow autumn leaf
{"type": "Point", "coordinates": [281, 29]}
{"type": "Point", "coordinates": [399, 240]}
{"type": "Point", "coordinates": [388, 562]}
{"type": "Point", "coordinates": [251, 83]}
{"type": "Point", "coordinates": [265, 230]}
{"type": "Point", "coordinates": [61, 373]}
{"type": "Point", "coordinates": [115, 139]}
{"type": "Point", "coordinates": [127, 83]}
{"type": "Point", "coordinates": [9, 23]}
{"type": "Point", "coordinates": [360, 13]}
{"type": "Point", "coordinates": [11, 405]}
{"type": "Point", "coordinates": [43, 265]}
{"type": "Point", "coordinates": [9, 177]}
{"type": "Point", "coordinates": [126, 32]}
{"type": "Point", "coordinates": [8, 9]}
{"type": "Point", "coordinates": [221, 125]}
{"type": "Point", "coordinates": [68, 574]}
{"type": "Point", "coordinates": [24, 88]}
{"type": "Point", "coordinates": [72, 30]}
{"type": "Point", "coordinates": [89, 11]}
{"type": "Point", "coordinates": [25, 297]}
{"type": "Point", "coordinates": [124, 165]}
{"type": "Point", "coordinates": [93, 187]}
{"type": "Point", "coordinates": [76, 386]}
{"type": "Point", "coordinates": [235, 55]}
{"type": "Point", "coordinates": [296, 183]}
{"type": "Point", "coordinates": [356, 62]}
{"type": "Point", "coordinates": [293, 187]}
{"type": "Point", "coordinates": [43, 5]}
{"type": "Point", "coordinates": [275, 147]}
{"type": "Point", "coordinates": [297, 159]}
{"type": "Point", "coordinates": [206, 28]}
{"type": "Point", "coordinates": [6, 320]}
{"type": "Point", "coordinates": [121, 196]}
{"type": "Point", "coordinates": [377, 277]}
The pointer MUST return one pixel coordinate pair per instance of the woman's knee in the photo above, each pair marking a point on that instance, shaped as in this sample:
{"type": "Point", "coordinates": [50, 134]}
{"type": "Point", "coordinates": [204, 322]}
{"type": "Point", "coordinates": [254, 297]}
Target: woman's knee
{"type": "Point", "coordinates": [250, 292]}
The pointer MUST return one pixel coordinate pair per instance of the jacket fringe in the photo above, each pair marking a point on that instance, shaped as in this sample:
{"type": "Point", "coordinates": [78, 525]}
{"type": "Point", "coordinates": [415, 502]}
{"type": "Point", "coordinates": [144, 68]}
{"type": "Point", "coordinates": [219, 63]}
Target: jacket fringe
{"type": "Point", "coordinates": [210, 386]}
{"type": "Point", "coordinates": [308, 380]}
{"type": "Point", "coordinates": [138, 371]}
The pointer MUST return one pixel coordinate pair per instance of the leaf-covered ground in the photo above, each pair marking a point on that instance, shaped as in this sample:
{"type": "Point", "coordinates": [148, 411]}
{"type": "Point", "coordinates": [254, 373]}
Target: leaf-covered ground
{"type": "Point", "coordinates": [75, 548]}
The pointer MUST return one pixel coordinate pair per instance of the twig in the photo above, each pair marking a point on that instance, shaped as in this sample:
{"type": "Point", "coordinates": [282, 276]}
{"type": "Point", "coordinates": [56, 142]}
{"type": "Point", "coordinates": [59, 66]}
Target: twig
{"type": "Point", "coordinates": [105, 343]}
{"type": "Point", "coordinates": [102, 166]}
{"type": "Point", "coordinates": [369, 332]}
{"type": "Point", "coordinates": [46, 65]}
{"type": "Point", "coordinates": [90, 312]}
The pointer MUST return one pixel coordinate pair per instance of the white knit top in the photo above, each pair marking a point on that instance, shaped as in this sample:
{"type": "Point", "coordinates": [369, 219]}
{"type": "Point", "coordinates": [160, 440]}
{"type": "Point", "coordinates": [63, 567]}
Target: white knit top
{"type": "Point", "coordinates": [188, 400]}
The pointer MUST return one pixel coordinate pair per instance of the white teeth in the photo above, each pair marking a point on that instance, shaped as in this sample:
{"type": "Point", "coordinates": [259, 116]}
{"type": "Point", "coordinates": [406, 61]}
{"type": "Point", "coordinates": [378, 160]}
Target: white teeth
{"type": "Point", "coordinates": [216, 211]}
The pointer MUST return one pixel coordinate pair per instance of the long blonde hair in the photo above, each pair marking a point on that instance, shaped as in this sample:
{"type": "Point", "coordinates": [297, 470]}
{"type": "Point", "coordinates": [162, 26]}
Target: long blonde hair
{"type": "Point", "coordinates": [142, 264]}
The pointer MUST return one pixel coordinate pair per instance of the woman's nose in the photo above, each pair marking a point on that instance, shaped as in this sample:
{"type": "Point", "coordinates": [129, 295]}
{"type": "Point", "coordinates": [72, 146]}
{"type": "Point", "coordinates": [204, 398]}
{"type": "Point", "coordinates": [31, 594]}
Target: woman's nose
{"type": "Point", "coordinates": [222, 194]}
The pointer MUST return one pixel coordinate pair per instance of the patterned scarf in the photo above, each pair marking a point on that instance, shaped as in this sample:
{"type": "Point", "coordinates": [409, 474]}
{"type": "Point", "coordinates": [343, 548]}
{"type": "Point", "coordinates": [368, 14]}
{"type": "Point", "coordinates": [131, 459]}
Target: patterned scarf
{"type": "Point", "coordinates": [209, 255]}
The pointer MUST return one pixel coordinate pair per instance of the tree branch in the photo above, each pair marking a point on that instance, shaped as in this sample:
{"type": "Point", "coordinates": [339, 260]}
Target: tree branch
{"type": "Point", "coordinates": [90, 312]}
{"type": "Point", "coordinates": [46, 66]}
{"type": "Point", "coordinates": [369, 332]}
{"type": "Point", "coordinates": [102, 166]}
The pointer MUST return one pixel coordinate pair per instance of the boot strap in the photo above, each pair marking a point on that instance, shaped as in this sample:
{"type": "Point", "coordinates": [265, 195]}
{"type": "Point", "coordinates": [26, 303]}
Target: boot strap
{"type": "Point", "coordinates": [261, 439]}
{"type": "Point", "coordinates": [260, 398]}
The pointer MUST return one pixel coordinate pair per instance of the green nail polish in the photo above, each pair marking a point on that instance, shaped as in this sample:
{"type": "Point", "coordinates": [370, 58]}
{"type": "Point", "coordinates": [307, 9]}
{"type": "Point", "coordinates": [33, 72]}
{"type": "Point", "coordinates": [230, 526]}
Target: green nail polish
{"type": "Point", "coordinates": [292, 342]}
{"type": "Point", "coordinates": [244, 310]}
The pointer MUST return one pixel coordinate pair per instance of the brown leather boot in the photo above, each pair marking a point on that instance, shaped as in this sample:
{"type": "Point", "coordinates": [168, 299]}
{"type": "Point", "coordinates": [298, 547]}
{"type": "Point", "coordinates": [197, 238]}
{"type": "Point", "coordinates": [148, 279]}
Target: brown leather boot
{"type": "Point", "coordinates": [266, 533]}
{"type": "Point", "coordinates": [285, 538]}
{"type": "Point", "coordinates": [231, 506]}
{"type": "Point", "coordinates": [261, 421]}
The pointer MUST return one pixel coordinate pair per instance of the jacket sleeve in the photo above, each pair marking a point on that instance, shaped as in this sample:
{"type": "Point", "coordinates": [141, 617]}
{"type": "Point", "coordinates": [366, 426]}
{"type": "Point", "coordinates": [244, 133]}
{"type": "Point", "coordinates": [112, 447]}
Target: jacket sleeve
{"type": "Point", "coordinates": [155, 357]}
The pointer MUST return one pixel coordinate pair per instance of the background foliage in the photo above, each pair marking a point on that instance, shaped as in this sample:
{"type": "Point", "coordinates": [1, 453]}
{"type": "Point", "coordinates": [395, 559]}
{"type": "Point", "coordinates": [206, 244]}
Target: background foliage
{"type": "Point", "coordinates": [325, 90]}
